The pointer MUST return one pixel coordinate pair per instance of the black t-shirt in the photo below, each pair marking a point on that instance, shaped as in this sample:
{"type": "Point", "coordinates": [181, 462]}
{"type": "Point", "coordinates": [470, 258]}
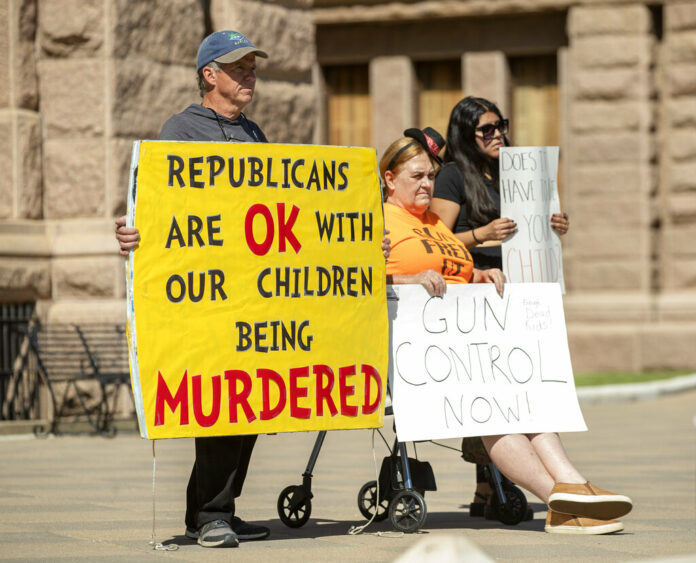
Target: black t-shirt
{"type": "Point", "coordinates": [449, 185]}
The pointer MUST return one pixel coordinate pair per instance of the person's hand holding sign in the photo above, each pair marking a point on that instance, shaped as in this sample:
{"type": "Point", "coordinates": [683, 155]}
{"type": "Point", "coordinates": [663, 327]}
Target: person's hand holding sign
{"type": "Point", "coordinates": [498, 229]}
{"type": "Point", "coordinates": [128, 237]}
{"type": "Point", "coordinates": [433, 282]}
{"type": "Point", "coordinates": [386, 244]}
{"type": "Point", "coordinates": [493, 275]}
{"type": "Point", "coordinates": [560, 223]}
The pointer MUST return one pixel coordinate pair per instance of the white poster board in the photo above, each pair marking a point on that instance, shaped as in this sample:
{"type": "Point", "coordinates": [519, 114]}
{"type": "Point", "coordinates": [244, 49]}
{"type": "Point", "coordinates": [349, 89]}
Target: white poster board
{"type": "Point", "coordinates": [529, 196]}
{"type": "Point", "coordinates": [475, 364]}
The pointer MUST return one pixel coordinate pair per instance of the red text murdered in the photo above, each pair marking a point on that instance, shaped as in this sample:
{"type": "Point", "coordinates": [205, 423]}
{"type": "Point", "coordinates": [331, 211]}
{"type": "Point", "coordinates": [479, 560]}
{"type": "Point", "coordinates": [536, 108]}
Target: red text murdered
{"type": "Point", "coordinates": [180, 401]}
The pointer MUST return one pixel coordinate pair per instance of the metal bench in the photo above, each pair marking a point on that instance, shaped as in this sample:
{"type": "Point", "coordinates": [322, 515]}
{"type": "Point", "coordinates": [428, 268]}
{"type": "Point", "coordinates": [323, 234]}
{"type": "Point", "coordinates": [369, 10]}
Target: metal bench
{"type": "Point", "coordinates": [77, 356]}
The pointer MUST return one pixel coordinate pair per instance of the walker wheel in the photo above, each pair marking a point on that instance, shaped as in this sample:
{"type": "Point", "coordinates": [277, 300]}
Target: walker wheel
{"type": "Point", "coordinates": [367, 501]}
{"type": "Point", "coordinates": [514, 510]}
{"type": "Point", "coordinates": [294, 506]}
{"type": "Point", "coordinates": [407, 511]}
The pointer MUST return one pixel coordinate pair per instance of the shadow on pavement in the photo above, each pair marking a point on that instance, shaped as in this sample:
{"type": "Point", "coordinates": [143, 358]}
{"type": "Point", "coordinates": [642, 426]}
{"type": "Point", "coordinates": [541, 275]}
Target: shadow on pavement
{"type": "Point", "coordinates": [323, 528]}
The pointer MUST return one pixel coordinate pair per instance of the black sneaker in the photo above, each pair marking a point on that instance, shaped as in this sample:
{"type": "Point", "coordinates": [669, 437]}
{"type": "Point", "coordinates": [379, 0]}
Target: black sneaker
{"type": "Point", "coordinates": [217, 533]}
{"type": "Point", "coordinates": [246, 531]}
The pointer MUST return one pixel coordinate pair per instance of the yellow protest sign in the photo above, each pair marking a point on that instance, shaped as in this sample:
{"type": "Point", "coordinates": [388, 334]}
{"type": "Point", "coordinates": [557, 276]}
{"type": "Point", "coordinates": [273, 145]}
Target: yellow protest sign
{"type": "Point", "coordinates": [256, 300]}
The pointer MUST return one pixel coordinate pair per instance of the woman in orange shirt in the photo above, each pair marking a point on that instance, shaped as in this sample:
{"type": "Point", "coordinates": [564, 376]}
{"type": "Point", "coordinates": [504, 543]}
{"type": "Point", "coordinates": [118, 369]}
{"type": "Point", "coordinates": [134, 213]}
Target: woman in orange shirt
{"type": "Point", "coordinates": [423, 248]}
{"type": "Point", "coordinates": [424, 251]}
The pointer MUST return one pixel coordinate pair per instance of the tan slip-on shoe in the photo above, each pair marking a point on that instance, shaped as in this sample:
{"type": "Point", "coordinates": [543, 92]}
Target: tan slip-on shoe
{"type": "Point", "coordinates": [557, 523]}
{"type": "Point", "coordinates": [588, 501]}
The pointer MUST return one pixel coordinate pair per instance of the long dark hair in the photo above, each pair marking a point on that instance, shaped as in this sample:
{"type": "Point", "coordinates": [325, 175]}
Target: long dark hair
{"type": "Point", "coordinates": [472, 162]}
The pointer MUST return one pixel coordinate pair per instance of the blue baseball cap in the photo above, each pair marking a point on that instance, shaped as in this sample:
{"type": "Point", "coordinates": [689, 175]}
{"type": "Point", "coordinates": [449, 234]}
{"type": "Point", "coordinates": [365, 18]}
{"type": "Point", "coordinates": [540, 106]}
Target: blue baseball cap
{"type": "Point", "coordinates": [225, 47]}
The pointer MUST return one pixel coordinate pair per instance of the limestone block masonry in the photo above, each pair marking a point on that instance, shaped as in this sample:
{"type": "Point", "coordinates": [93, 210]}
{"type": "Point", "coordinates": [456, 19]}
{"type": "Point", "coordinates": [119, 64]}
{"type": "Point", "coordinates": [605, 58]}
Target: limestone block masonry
{"type": "Point", "coordinates": [677, 194]}
{"type": "Point", "coordinates": [27, 171]}
{"type": "Point", "coordinates": [20, 185]}
{"type": "Point", "coordinates": [285, 99]}
{"type": "Point", "coordinates": [632, 195]}
{"type": "Point", "coordinates": [487, 74]}
{"type": "Point", "coordinates": [392, 90]}
{"type": "Point", "coordinates": [71, 28]}
{"type": "Point", "coordinates": [80, 80]}
{"type": "Point", "coordinates": [597, 82]}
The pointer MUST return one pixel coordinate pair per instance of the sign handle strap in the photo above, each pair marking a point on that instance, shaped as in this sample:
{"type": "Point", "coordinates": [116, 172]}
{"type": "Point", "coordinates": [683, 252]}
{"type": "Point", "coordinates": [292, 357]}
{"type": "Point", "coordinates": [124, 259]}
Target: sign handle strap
{"type": "Point", "coordinates": [355, 530]}
{"type": "Point", "coordinates": [157, 546]}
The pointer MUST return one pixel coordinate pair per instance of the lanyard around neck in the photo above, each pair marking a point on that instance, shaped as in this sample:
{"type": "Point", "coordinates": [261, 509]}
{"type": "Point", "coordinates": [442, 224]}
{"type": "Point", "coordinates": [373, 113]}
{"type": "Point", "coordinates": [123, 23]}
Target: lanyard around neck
{"type": "Point", "coordinates": [248, 128]}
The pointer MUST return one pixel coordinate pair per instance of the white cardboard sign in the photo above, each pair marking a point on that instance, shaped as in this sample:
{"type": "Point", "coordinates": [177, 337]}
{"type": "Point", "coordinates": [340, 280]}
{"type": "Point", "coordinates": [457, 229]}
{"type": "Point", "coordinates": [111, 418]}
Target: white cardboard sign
{"type": "Point", "coordinates": [474, 364]}
{"type": "Point", "coordinates": [529, 196]}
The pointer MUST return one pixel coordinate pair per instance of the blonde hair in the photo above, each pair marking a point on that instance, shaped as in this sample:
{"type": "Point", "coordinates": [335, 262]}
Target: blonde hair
{"type": "Point", "coordinates": [395, 147]}
{"type": "Point", "coordinates": [406, 154]}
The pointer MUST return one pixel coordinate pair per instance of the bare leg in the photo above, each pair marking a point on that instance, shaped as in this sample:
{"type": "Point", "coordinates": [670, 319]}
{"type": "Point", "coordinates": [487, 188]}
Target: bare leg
{"type": "Point", "coordinates": [516, 458]}
{"type": "Point", "coordinates": [550, 450]}
{"type": "Point", "coordinates": [535, 461]}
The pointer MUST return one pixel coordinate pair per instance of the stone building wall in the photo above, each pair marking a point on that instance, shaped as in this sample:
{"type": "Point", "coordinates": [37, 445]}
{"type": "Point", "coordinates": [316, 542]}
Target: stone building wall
{"type": "Point", "coordinates": [24, 267]}
{"type": "Point", "coordinates": [611, 182]}
{"type": "Point", "coordinates": [631, 121]}
{"type": "Point", "coordinates": [674, 333]}
{"type": "Point", "coordinates": [107, 76]}
{"type": "Point", "coordinates": [284, 102]}
{"type": "Point", "coordinates": [80, 81]}
{"type": "Point", "coordinates": [627, 71]}
{"type": "Point", "coordinates": [678, 173]}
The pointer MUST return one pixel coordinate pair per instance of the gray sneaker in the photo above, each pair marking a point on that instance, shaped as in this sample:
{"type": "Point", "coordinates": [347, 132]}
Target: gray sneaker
{"type": "Point", "coordinates": [217, 533]}
{"type": "Point", "coordinates": [244, 531]}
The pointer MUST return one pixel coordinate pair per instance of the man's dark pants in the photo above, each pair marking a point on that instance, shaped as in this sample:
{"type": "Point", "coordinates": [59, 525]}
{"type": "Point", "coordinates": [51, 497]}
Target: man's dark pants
{"type": "Point", "coordinates": [217, 478]}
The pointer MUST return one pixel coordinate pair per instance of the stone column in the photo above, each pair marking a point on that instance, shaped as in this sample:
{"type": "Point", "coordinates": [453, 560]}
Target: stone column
{"type": "Point", "coordinates": [393, 96]}
{"type": "Point", "coordinates": [611, 146]}
{"type": "Point", "coordinates": [678, 151]}
{"type": "Point", "coordinates": [285, 99]}
{"type": "Point", "coordinates": [20, 153]}
{"type": "Point", "coordinates": [486, 74]}
{"type": "Point", "coordinates": [24, 267]}
{"type": "Point", "coordinates": [610, 150]}
{"type": "Point", "coordinates": [676, 251]}
{"type": "Point", "coordinates": [72, 78]}
{"type": "Point", "coordinates": [109, 73]}
{"type": "Point", "coordinates": [319, 137]}
{"type": "Point", "coordinates": [151, 76]}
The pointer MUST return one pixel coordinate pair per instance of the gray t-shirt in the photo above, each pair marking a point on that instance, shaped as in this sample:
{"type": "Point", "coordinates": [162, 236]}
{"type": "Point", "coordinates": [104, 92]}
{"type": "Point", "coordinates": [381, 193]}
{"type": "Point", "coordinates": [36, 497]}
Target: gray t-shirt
{"type": "Point", "coordinates": [198, 123]}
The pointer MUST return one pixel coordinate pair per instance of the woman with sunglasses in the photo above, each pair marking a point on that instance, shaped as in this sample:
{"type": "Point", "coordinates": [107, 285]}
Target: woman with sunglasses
{"type": "Point", "coordinates": [467, 192]}
{"type": "Point", "coordinates": [467, 199]}
{"type": "Point", "coordinates": [424, 251]}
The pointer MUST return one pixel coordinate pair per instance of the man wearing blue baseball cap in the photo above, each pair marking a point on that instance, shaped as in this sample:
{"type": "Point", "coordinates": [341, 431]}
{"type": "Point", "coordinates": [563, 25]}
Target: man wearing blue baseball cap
{"type": "Point", "coordinates": [226, 66]}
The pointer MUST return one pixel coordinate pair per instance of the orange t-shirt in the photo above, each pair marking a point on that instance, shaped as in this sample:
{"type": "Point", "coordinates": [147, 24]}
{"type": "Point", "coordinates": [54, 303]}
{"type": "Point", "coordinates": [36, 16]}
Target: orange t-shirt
{"type": "Point", "coordinates": [425, 243]}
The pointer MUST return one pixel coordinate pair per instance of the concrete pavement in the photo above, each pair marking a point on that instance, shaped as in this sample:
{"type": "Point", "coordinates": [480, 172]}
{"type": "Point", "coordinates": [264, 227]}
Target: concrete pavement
{"type": "Point", "coordinates": [83, 498]}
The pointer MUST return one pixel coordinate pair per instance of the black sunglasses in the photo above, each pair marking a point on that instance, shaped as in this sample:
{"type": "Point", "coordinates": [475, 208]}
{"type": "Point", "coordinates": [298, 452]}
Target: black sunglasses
{"type": "Point", "coordinates": [488, 130]}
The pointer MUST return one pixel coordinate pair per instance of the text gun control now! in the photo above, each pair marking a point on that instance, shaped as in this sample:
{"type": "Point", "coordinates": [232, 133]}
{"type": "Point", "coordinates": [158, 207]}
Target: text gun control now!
{"type": "Point", "coordinates": [473, 363]}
